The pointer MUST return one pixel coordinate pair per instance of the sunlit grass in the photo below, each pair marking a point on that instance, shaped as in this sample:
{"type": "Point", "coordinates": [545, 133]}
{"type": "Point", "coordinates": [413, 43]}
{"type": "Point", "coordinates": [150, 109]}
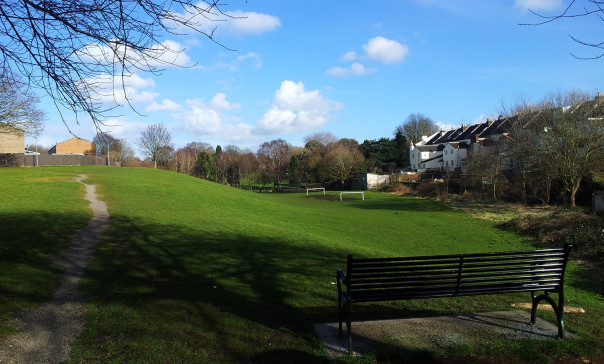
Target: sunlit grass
{"type": "Point", "coordinates": [192, 271]}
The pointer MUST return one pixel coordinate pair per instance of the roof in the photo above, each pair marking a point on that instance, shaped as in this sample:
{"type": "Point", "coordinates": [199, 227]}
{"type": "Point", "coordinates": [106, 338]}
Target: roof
{"type": "Point", "coordinates": [427, 148]}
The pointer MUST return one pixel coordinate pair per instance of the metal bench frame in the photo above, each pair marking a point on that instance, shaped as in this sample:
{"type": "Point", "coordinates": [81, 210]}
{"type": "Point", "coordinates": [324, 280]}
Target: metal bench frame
{"type": "Point", "coordinates": [404, 278]}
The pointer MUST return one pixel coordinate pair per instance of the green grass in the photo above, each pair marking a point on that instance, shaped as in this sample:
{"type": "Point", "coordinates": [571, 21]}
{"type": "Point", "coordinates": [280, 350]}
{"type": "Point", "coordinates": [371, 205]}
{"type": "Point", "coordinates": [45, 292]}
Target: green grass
{"type": "Point", "coordinates": [192, 271]}
{"type": "Point", "coordinates": [40, 210]}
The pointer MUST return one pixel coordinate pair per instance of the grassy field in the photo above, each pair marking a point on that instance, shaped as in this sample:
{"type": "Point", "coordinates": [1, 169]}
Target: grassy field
{"type": "Point", "coordinates": [39, 212]}
{"type": "Point", "coordinates": [192, 271]}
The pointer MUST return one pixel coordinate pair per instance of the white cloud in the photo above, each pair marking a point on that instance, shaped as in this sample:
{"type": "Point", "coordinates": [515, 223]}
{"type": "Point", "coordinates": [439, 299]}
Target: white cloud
{"type": "Point", "coordinates": [445, 126]}
{"type": "Point", "coordinates": [356, 69]}
{"type": "Point", "coordinates": [350, 56]}
{"type": "Point", "coordinates": [165, 54]}
{"type": "Point", "coordinates": [209, 120]}
{"type": "Point", "coordinates": [166, 105]}
{"type": "Point", "coordinates": [236, 23]}
{"type": "Point", "coordinates": [250, 23]}
{"type": "Point", "coordinates": [539, 5]}
{"type": "Point", "coordinates": [108, 89]}
{"type": "Point", "coordinates": [482, 118]}
{"type": "Point", "coordinates": [379, 49]}
{"type": "Point", "coordinates": [219, 102]}
{"type": "Point", "coordinates": [296, 109]}
{"type": "Point", "coordinates": [123, 128]}
{"type": "Point", "coordinates": [385, 50]}
{"type": "Point", "coordinates": [254, 57]}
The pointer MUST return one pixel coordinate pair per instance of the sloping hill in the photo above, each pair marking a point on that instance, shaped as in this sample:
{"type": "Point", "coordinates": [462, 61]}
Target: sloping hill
{"type": "Point", "coordinates": [193, 271]}
{"type": "Point", "coordinates": [203, 271]}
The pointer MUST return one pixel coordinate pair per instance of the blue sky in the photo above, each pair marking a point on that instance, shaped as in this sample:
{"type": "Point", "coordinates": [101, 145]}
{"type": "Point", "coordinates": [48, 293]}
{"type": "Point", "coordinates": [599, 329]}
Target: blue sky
{"type": "Point", "coordinates": [355, 69]}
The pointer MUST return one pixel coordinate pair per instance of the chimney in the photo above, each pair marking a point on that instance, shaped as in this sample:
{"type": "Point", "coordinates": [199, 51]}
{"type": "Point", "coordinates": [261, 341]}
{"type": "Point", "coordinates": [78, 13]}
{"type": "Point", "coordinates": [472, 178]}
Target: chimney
{"type": "Point", "coordinates": [463, 127]}
{"type": "Point", "coordinates": [599, 97]}
{"type": "Point", "coordinates": [500, 117]}
{"type": "Point", "coordinates": [489, 121]}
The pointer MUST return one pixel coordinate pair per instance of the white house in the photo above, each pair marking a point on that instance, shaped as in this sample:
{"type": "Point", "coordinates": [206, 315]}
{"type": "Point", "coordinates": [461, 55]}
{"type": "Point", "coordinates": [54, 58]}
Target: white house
{"type": "Point", "coordinates": [455, 155]}
{"type": "Point", "coordinates": [450, 149]}
{"type": "Point", "coordinates": [424, 157]}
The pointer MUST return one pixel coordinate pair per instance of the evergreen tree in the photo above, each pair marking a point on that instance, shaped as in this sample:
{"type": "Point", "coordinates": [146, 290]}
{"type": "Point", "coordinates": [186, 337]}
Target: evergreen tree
{"type": "Point", "coordinates": [206, 165]}
{"type": "Point", "coordinates": [293, 171]}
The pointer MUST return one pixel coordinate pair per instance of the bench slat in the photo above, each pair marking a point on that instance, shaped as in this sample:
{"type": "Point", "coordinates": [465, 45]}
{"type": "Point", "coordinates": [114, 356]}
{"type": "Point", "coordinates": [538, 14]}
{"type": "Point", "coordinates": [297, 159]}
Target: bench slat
{"type": "Point", "coordinates": [453, 263]}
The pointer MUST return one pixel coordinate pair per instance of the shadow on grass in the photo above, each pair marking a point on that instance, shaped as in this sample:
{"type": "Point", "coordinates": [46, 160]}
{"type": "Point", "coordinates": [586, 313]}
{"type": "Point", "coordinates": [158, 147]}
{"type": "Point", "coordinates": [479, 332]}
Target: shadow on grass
{"type": "Point", "coordinates": [197, 295]}
{"type": "Point", "coordinates": [27, 242]}
{"type": "Point", "coordinates": [392, 202]}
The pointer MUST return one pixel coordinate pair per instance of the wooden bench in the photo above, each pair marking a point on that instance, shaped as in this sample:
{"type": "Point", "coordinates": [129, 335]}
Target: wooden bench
{"type": "Point", "coordinates": [404, 278]}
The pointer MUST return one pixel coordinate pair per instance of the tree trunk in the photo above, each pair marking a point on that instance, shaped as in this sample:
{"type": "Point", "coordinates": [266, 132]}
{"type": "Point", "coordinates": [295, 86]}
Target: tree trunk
{"type": "Point", "coordinates": [573, 191]}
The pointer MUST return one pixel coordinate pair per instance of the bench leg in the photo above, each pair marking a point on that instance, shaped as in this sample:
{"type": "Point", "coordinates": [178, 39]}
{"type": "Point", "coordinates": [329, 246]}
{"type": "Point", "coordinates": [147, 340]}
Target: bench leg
{"type": "Point", "coordinates": [558, 309]}
{"type": "Point", "coordinates": [340, 314]}
{"type": "Point", "coordinates": [348, 327]}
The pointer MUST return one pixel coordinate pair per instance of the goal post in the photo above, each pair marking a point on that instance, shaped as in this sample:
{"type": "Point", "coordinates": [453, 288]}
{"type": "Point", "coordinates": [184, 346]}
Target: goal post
{"type": "Point", "coordinates": [315, 189]}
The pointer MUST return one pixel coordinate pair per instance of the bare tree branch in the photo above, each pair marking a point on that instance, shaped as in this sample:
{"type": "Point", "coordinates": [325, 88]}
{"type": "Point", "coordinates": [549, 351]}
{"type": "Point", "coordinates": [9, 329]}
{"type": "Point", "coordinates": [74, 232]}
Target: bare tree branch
{"type": "Point", "coordinates": [75, 49]}
{"type": "Point", "coordinates": [591, 7]}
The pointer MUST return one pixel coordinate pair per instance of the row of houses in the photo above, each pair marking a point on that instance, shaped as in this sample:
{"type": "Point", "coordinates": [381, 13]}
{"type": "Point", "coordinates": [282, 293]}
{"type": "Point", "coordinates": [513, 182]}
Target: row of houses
{"type": "Point", "coordinates": [449, 150]}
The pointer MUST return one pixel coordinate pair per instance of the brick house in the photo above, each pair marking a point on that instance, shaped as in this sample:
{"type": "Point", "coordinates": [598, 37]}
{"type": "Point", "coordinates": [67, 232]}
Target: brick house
{"type": "Point", "coordinates": [74, 146]}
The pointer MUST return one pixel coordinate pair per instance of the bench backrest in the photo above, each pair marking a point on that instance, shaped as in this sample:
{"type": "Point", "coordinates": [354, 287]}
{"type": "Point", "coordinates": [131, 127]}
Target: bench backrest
{"type": "Point", "coordinates": [456, 275]}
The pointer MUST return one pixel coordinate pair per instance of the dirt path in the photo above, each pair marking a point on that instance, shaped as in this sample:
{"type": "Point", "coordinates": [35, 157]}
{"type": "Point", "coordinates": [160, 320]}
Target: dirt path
{"type": "Point", "coordinates": [45, 334]}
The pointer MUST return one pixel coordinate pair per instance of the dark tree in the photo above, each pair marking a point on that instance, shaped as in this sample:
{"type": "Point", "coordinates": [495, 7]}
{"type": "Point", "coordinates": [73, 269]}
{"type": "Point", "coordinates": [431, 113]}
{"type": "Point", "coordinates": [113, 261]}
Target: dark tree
{"type": "Point", "coordinates": [293, 171]}
{"type": "Point", "coordinates": [401, 149]}
{"type": "Point", "coordinates": [105, 141]}
{"type": "Point", "coordinates": [68, 47]}
{"type": "Point", "coordinates": [206, 165]}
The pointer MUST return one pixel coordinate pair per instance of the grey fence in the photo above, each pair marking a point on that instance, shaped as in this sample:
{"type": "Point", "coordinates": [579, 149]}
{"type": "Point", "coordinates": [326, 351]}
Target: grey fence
{"type": "Point", "coordinates": [62, 160]}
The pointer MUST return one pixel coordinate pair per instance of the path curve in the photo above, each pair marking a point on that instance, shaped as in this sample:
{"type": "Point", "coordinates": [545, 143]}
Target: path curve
{"type": "Point", "coordinates": [45, 334]}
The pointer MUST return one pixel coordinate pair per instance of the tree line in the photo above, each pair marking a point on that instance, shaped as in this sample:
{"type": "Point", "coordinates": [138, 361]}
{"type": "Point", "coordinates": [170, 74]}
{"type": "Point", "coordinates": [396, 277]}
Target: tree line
{"type": "Point", "coordinates": [323, 158]}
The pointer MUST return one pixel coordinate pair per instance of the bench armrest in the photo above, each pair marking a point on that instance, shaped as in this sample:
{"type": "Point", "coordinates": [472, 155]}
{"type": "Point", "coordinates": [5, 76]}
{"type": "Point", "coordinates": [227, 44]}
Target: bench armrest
{"type": "Point", "coordinates": [340, 277]}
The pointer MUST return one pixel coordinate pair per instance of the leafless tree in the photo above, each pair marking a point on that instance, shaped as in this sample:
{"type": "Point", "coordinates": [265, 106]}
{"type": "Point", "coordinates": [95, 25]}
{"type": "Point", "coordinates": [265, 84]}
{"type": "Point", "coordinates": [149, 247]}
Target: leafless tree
{"type": "Point", "coordinates": [75, 49]}
{"type": "Point", "coordinates": [185, 158]}
{"type": "Point", "coordinates": [155, 143]}
{"type": "Point", "coordinates": [344, 163]}
{"type": "Point", "coordinates": [417, 125]}
{"type": "Point", "coordinates": [249, 168]}
{"type": "Point", "coordinates": [484, 170]}
{"type": "Point", "coordinates": [275, 156]}
{"type": "Point", "coordinates": [578, 9]}
{"type": "Point", "coordinates": [18, 105]}
{"type": "Point", "coordinates": [325, 138]}
{"type": "Point", "coordinates": [570, 133]}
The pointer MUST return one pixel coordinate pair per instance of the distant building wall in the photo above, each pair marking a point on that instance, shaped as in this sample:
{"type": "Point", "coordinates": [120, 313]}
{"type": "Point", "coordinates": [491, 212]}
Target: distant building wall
{"type": "Point", "coordinates": [74, 145]}
{"type": "Point", "coordinates": [371, 181]}
{"type": "Point", "coordinates": [12, 140]}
